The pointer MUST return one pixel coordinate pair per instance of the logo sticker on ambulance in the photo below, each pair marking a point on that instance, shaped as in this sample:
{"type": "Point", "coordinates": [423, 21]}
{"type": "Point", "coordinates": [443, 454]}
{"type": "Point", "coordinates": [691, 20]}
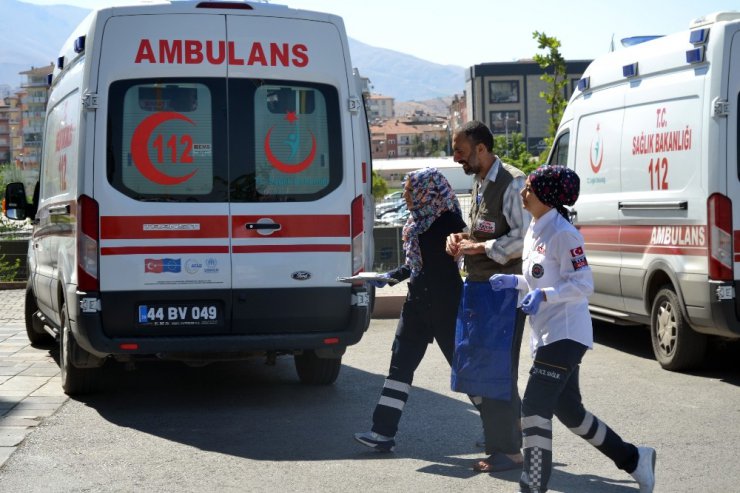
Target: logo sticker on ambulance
{"type": "Point", "coordinates": [596, 156]}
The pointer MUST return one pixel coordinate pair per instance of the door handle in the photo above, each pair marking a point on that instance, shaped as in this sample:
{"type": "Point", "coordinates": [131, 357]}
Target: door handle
{"type": "Point", "coordinates": [59, 210]}
{"type": "Point", "coordinates": [263, 226]}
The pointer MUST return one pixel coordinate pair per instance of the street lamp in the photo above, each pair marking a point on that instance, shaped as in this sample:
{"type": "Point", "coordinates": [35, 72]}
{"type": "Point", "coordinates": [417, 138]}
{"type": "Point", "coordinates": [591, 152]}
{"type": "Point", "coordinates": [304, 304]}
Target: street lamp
{"type": "Point", "coordinates": [506, 132]}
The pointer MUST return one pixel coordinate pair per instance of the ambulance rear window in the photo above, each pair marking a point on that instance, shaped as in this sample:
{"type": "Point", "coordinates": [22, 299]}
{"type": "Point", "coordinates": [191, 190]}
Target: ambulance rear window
{"type": "Point", "coordinates": [294, 137]}
{"type": "Point", "coordinates": [167, 140]}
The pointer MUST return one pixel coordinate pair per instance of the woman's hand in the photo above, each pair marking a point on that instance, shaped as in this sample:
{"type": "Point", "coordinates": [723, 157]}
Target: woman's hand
{"type": "Point", "coordinates": [378, 283]}
{"type": "Point", "coordinates": [531, 302]}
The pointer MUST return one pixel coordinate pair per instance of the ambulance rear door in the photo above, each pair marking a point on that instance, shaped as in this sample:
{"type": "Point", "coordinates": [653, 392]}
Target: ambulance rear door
{"type": "Point", "coordinates": [731, 269]}
{"type": "Point", "coordinates": [161, 174]}
{"type": "Point", "coordinates": [292, 184]}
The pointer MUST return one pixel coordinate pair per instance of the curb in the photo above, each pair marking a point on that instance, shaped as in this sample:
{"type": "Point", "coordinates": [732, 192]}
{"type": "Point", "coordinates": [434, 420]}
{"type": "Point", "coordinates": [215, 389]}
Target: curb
{"type": "Point", "coordinates": [388, 306]}
{"type": "Point", "coordinates": [13, 285]}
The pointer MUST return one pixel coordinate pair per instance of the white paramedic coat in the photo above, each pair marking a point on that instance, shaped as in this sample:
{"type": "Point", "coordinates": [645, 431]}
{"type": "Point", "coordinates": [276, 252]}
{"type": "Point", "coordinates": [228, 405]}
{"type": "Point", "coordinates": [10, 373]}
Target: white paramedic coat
{"type": "Point", "coordinates": [554, 261]}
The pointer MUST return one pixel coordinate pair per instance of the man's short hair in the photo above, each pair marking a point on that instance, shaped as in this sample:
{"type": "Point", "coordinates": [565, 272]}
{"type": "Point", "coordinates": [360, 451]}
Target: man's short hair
{"type": "Point", "coordinates": [478, 133]}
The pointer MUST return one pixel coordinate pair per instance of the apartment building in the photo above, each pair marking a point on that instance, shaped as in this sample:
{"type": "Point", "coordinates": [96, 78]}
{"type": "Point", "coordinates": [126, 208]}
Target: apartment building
{"type": "Point", "coordinates": [4, 131]}
{"type": "Point", "coordinates": [380, 107]}
{"type": "Point", "coordinates": [414, 136]}
{"type": "Point", "coordinates": [33, 97]}
{"type": "Point", "coordinates": [506, 97]}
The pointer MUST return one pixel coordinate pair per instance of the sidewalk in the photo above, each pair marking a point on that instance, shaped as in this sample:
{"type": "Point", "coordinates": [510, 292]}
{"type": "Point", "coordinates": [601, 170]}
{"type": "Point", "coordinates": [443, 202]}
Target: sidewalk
{"type": "Point", "coordinates": [30, 388]}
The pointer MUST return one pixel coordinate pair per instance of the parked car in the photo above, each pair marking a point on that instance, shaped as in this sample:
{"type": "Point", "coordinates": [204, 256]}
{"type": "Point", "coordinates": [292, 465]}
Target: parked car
{"type": "Point", "coordinates": [386, 207]}
{"type": "Point", "coordinates": [394, 218]}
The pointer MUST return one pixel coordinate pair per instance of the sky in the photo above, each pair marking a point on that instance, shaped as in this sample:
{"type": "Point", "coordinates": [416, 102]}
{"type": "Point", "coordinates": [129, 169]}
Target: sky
{"type": "Point", "coordinates": [469, 32]}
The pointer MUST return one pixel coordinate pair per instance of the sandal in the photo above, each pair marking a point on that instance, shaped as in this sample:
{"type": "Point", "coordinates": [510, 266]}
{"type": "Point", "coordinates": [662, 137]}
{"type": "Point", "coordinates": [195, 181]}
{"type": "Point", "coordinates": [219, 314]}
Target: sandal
{"type": "Point", "coordinates": [496, 463]}
{"type": "Point", "coordinates": [483, 465]}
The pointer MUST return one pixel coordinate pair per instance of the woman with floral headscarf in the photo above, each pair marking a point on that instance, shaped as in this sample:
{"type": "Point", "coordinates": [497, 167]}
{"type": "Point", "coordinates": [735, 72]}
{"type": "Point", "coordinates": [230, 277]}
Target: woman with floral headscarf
{"type": "Point", "coordinates": [557, 281]}
{"type": "Point", "coordinates": [430, 308]}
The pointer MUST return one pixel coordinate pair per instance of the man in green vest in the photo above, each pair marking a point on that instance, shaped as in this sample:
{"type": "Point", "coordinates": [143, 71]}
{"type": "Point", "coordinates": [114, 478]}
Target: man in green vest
{"type": "Point", "coordinates": [489, 327]}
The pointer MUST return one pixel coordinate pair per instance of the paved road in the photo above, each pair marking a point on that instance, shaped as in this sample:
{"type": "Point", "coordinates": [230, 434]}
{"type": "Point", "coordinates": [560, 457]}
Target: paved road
{"type": "Point", "coordinates": [243, 426]}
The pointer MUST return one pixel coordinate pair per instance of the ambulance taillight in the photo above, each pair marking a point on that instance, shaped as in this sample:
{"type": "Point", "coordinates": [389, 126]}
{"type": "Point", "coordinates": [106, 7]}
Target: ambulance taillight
{"type": "Point", "coordinates": [719, 214]}
{"type": "Point", "coordinates": [358, 235]}
{"type": "Point", "coordinates": [88, 237]}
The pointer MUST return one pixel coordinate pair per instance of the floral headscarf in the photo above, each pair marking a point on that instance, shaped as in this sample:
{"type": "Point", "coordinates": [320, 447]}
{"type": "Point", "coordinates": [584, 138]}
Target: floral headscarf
{"type": "Point", "coordinates": [556, 186]}
{"type": "Point", "coordinates": [431, 195]}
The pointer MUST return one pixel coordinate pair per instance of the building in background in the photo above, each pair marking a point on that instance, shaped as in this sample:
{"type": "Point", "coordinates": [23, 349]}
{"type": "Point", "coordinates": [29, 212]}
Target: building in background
{"type": "Point", "coordinates": [413, 136]}
{"type": "Point", "coordinates": [4, 131]}
{"type": "Point", "coordinates": [506, 97]}
{"type": "Point", "coordinates": [393, 171]}
{"type": "Point", "coordinates": [11, 136]}
{"type": "Point", "coordinates": [380, 107]}
{"type": "Point", "coordinates": [33, 98]}
{"type": "Point", "coordinates": [458, 113]}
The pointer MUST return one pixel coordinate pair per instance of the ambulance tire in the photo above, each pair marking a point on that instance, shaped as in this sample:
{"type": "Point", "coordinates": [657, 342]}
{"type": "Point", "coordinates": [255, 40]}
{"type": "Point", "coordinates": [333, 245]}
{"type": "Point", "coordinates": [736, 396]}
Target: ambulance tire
{"type": "Point", "coordinates": [34, 326]}
{"type": "Point", "coordinates": [75, 381]}
{"type": "Point", "coordinates": [313, 370]}
{"type": "Point", "coordinates": [675, 344]}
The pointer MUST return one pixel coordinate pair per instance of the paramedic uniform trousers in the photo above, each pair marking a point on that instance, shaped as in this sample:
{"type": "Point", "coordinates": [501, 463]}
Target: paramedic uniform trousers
{"type": "Point", "coordinates": [408, 349]}
{"type": "Point", "coordinates": [553, 389]}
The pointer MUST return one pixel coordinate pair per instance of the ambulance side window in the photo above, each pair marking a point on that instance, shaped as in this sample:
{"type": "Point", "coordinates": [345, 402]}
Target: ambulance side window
{"type": "Point", "coordinates": [166, 140]}
{"type": "Point", "coordinates": [559, 154]}
{"type": "Point", "coordinates": [59, 170]}
{"type": "Point", "coordinates": [286, 141]}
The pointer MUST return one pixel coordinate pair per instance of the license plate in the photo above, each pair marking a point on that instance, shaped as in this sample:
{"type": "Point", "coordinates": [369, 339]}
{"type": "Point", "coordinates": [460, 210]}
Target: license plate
{"type": "Point", "coordinates": [161, 315]}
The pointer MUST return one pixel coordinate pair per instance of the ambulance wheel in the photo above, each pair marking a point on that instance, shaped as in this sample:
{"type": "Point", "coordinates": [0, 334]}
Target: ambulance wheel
{"type": "Point", "coordinates": [75, 381]}
{"type": "Point", "coordinates": [34, 326]}
{"type": "Point", "coordinates": [675, 344]}
{"type": "Point", "coordinates": [313, 370]}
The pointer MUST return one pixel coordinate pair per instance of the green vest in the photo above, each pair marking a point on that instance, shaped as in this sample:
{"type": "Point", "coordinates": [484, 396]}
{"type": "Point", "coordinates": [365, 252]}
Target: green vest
{"type": "Point", "coordinates": [488, 222]}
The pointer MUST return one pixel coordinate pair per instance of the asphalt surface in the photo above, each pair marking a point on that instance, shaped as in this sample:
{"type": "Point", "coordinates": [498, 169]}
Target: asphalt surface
{"type": "Point", "coordinates": [245, 426]}
{"type": "Point", "coordinates": [30, 386]}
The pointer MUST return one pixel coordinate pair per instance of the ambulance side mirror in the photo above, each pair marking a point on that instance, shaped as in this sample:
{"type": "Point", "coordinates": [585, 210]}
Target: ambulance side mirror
{"type": "Point", "coordinates": [15, 204]}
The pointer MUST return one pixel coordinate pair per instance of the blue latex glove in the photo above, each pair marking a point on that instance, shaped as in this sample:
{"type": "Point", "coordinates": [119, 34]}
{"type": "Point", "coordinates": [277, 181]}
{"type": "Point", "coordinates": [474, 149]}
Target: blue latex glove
{"type": "Point", "coordinates": [531, 302]}
{"type": "Point", "coordinates": [377, 282]}
{"type": "Point", "coordinates": [503, 281]}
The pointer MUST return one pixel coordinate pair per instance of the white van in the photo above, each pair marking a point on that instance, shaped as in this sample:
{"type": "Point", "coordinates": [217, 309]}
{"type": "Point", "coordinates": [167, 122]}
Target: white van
{"type": "Point", "coordinates": [652, 131]}
{"type": "Point", "coordinates": [205, 180]}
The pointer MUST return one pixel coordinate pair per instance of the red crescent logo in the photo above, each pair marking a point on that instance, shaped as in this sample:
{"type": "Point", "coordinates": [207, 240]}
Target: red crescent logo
{"type": "Point", "coordinates": [287, 167]}
{"type": "Point", "coordinates": [596, 167]}
{"type": "Point", "coordinates": [139, 148]}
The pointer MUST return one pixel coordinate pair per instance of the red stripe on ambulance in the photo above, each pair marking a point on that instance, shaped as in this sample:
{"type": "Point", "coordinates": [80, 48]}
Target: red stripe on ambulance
{"type": "Point", "coordinates": [163, 250]}
{"type": "Point", "coordinates": [324, 226]}
{"type": "Point", "coordinates": [290, 248]}
{"type": "Point", "coordinates": [654, 240]}
{"type": "Point", "coordinates": [144, 227]}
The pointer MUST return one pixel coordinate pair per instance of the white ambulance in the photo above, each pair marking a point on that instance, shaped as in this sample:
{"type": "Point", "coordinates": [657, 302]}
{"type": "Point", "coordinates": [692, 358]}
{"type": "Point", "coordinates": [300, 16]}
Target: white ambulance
{"type": "Point", "coordinates": [205, 180]}
{"type": "Point", "coordinates": [652, 131]}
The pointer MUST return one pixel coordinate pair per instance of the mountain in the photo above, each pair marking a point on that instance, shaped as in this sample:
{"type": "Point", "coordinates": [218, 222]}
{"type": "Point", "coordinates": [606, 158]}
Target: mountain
{"type": "Point", "coordinates": [405, 77]}
{"type": "Point", "coordinates": [33, 34]}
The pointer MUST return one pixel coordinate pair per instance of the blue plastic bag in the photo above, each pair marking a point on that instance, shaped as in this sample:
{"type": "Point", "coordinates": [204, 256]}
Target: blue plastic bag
{"type": "Point", "coordinates": [484, 333]}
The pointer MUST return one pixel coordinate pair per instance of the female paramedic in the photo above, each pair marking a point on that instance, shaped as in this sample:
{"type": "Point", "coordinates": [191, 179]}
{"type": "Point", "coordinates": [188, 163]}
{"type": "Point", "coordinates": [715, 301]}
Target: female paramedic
{"type": "Point", "coordinates": [557, 281]}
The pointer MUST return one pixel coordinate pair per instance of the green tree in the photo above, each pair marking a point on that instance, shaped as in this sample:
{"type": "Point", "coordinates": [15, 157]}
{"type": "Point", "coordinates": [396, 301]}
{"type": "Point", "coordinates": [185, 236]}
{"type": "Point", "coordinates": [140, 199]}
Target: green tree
{"type": "Point", "coordinates": [380, 186]}
{"type": "Point", "coordinates": [419, 148]}
{"type": "Point", "coordinates": [554, 75]}
{"type": "Point", "coordinates": [514, 151]}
